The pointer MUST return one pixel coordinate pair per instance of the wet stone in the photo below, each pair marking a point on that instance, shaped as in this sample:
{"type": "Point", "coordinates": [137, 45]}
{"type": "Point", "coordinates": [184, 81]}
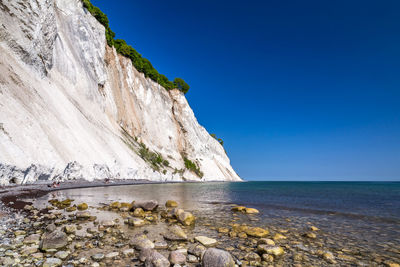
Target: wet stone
{"type": "Point", "coordinates": [175, 233]}
{"type": "Point", "coordinates": [196, 249]}
{"type": "Point", "coordinates": [82, 206]}
{"type": "Point", "coordinates": [32, 239]}
{"type": "Point", "coordinates": [53, 240]}
{"type": "Point", "coordinates": [217, 258]}
{"type": "Point", "coordinates": [146, 205]}
{"type": "Point", "coordinates": [171, 204]}
{"type": "Point", "coordinates": [128, 252]}
{"type": "Point", "coordinates": [206, 241]}
{"type": "Point", "coordinates": [152, 258]}
{"type": "Point", "coordinates": [141, 242]}
{"type": "Point", "coordinates": [69, 229]}
{"type": "Point", "coordinates": [160, 245]}
{"type": "Point", "coordinates": [98, 257]}
{"type": "Point", "coordinates": [52, 262]}
{"type": "Point", "coordinates": [177, 257]}
{"type": "Point", "coordinates": [62, 255]}
{"type": "Point", "coordinates": [256, 232]}
{"type": "Point", "coordinates": [83, 215]}
{"type": "Point", "coordinates": [112, 255]}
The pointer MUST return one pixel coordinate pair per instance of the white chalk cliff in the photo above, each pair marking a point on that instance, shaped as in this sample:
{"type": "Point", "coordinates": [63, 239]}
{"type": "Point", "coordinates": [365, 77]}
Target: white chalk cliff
{"type": "Point", "coordinates": [72, 108]}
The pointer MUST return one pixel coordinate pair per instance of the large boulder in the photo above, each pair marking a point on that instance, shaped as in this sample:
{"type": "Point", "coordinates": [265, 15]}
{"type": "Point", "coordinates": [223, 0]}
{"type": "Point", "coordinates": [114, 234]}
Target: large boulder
{"type": "Point", "coordinates": [53, 240]}
{"type": "Point", "coordinates": [213, 257]}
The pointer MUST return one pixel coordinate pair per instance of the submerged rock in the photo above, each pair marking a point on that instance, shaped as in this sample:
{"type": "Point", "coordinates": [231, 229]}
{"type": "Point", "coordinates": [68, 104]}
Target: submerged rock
{"type": "Point", "coordinates": [175, 233]}
{"type": "Point", "coordinates": [217, 258]}
{"type": "Point", "coordinates": [256, 232]}
{"type": "Point", "coordinates": [273, 250]}
{"type": "Point", "coordinates": [171, 204]}
{"type": "Point", "coordinates": [278, 236]}
{"type": "Point", "coordinates": [84, 215]}
{"type": "Point", "coordinates": [239, 208]}
{"type": "Point", "coordinates": [251, 211]}
{"type": "Point", "coordinates": [266, 241]}
{"type": "Point", "coordinates": [82, 206]}
{"type": "Point", "coordinates": [328, 256]}
{"type": "Point", "coordinates": [186, 218]}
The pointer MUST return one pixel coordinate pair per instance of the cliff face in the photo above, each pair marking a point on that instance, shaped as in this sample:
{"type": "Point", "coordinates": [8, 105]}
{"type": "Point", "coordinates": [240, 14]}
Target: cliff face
{"type": "Point", "coordinates": [71, 107]}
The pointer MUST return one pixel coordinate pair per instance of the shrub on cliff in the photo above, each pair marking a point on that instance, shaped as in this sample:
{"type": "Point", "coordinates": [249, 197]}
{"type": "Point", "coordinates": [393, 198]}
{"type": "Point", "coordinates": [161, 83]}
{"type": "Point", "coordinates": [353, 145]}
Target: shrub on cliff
{"type": "Point", "coordinates": [102, 18]}
{"type": "Point", "coordinates": [218, 139]}
{"type": "Point", "coordinates": [191, 166]}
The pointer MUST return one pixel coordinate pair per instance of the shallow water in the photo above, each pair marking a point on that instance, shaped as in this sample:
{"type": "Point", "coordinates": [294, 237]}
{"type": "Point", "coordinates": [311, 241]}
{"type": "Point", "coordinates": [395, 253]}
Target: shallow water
{"type": "Point", "coordinates": [363, 218]}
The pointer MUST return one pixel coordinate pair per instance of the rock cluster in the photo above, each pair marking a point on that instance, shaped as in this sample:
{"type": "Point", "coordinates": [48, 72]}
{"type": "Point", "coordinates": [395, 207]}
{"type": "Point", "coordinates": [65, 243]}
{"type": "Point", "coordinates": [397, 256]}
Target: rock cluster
{"type": "Point", "coordinates": [151, 235]}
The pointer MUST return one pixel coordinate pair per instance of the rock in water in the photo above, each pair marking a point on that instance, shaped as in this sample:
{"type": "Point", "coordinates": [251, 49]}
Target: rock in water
{"type": "Point", "coordinates": [171, 204]}
{"type": "Point", "coordinates": [273, 250]}
{"type": "Point", "coordinates": [186, 218]}
{"type": "Point", "coordinates": [53, 240]}
{"type": "Point", "coordinates": [256, 232]}
{"type": "Point", "coordinates": [141, 242]}
{"type": "Point", "coordinates": [175, 233]}
{"type": "Point", "coordinates": [251, 211]}
{"type": "Point", "coordinates": [146, 205]}
{"type": "Point", "coordinates": [206, 241]}
{"type": "Point", "coordinates": [82, 206]}
{"type": "Point", "coordinates": [217, 258]}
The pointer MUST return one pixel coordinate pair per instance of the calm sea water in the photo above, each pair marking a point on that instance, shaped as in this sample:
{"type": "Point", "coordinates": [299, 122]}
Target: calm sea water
{"type": "Point", "coordinates": [366, 214]}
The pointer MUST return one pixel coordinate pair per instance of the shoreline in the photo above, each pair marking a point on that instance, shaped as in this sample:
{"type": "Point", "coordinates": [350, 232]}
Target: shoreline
{"type": "Point", "coordinates": [12, 197]}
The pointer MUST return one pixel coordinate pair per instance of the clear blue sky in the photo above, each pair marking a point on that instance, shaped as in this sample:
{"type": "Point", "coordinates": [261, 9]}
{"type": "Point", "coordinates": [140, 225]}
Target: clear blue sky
{"type": "Point", "coordinates": [298, 90]}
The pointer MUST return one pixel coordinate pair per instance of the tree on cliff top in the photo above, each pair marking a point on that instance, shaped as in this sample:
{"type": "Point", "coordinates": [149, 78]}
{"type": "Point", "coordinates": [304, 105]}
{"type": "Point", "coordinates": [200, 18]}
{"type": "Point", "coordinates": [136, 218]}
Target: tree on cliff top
{"type": "Point", "coordinates": [142, 64]}
{"type": "Point", "coordinates": [181, 85]}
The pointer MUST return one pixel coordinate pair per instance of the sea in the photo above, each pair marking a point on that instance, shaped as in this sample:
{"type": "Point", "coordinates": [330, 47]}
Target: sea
{"type": "Point", "coordinates": [360, 216]}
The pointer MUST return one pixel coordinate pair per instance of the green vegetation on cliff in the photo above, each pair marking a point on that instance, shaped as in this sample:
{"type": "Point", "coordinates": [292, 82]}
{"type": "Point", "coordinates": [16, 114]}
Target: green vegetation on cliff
{"type": "Point", "coordinates": [218, 139]}
{"type": "Point", "coordinates": [141, 64]}
{"type": "Point", "coordinates": [191, 166]}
